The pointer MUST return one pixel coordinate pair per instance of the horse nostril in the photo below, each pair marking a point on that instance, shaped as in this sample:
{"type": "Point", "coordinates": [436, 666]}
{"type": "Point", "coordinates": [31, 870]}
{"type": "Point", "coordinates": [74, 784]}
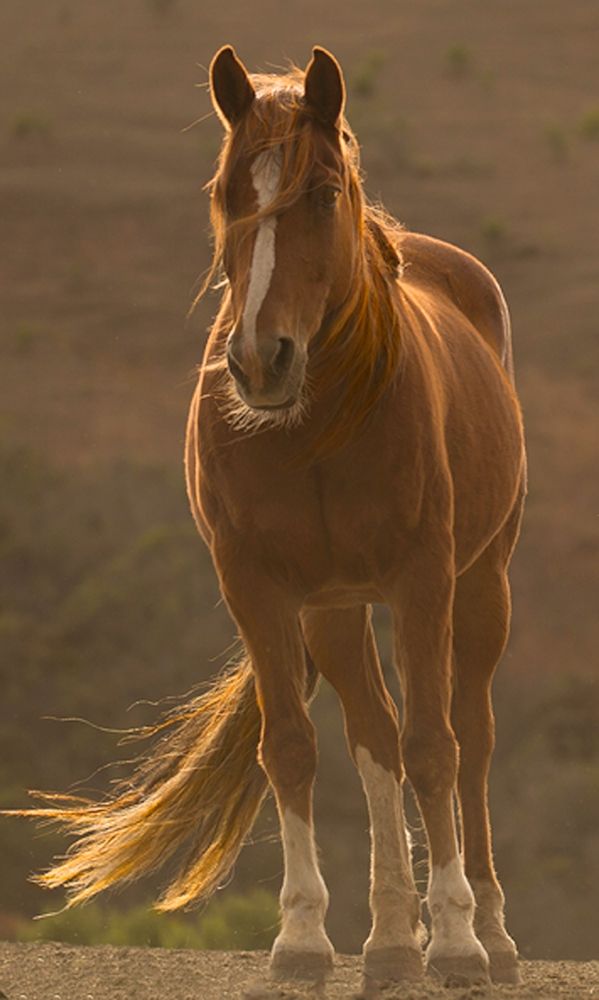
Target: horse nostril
{"type": "Point", "coordinates": [273, 361]}
{"type": "Point", "coordinates": [235, 368]}
{"type": "Point", "coordinates": [281, 362]}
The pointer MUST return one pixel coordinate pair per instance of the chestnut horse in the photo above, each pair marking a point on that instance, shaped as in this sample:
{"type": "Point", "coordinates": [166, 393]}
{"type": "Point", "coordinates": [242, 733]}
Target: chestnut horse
{"type": "Point", "coordinates": [354, 437]}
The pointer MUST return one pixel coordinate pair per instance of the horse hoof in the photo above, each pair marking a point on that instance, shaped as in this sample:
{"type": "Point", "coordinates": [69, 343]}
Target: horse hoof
{"type": "Point", "coordinates": [311, 966]}
{"type": "Point", "coordinates": [393, 964]}
{"type": "Point", "coordinates": [459, 970]}
{"type": "Point", "coordinates": [504, 967]}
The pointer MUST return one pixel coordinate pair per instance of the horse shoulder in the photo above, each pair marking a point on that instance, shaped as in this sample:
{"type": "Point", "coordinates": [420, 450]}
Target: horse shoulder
{"type": "Point", "coordinates": [467, 283]}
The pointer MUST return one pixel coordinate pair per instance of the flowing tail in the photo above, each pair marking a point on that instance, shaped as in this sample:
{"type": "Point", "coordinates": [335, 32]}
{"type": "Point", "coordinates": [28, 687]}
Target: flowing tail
{"type": "Point", "coordinates": [200, 785]}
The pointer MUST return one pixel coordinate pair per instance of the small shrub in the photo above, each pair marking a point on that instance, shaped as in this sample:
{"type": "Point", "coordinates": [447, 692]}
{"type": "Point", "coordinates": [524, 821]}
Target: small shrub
{"type": "Point", "coordinates": [30, 125]}
{"type": "Point", "coordinates": [364, 79]}
{"type": "Point", "coordinates": [25, 337]}
{"type": "Point", "coordinates": [557, 141]}
{"type": "Point", "coordinates": [458, 61]}
{"type": "Point", "coordinates": [588, 124]}
{"type": "Point", "coordinates": [493, 230]}
{"type": "Point", "coordinates": [78, 278]}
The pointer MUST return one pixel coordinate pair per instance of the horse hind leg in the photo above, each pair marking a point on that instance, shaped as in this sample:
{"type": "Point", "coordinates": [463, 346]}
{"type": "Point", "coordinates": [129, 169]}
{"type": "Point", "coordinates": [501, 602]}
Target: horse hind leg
{"type": "Point", "coordinates": [481, 625]}
{"type": "Point", "coordinates": [422, 602]}
{"type": "Point", "coordinates": [341, 644]}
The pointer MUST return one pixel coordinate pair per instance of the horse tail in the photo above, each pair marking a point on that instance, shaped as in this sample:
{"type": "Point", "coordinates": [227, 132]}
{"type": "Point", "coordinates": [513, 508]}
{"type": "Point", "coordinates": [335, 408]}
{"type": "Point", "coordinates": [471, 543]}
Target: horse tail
{"type": "Point", "coordinates": [199, 787]}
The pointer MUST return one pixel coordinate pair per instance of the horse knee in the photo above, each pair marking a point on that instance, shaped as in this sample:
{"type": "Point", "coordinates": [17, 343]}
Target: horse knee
{"type": "Point", "coordinates": [473, 721]}
{"type": "Point", "coordinates": [288, 755]}
{"type": "Point", "coordinates": [431, 760]}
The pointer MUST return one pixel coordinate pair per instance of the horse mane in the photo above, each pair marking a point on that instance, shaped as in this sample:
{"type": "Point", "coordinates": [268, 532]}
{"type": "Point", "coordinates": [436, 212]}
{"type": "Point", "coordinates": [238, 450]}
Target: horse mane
{"type": "Point", "coordinates": [357, 350]}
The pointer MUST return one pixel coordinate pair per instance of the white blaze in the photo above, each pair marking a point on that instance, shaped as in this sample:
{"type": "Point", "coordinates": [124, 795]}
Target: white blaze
{"type": "Point", "coordinates": [266, 175]}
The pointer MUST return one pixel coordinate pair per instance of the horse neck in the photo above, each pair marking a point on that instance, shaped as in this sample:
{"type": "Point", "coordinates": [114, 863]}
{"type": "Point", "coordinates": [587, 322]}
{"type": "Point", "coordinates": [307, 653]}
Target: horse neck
{"type": "Point", "coordinates": [358, 354]}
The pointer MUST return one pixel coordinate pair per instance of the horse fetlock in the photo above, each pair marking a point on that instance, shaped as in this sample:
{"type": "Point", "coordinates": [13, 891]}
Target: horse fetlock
{"type": "Point", "coordinates": [311, 897]}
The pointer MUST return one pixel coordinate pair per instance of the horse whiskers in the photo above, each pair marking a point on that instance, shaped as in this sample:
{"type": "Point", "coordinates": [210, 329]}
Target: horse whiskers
{"type": "Point", "coordinates": [243, 418]}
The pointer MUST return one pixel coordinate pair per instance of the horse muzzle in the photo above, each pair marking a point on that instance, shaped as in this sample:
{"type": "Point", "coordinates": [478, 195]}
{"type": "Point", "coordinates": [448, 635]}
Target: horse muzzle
{"type": "Point", "coordinates": [268, 374]}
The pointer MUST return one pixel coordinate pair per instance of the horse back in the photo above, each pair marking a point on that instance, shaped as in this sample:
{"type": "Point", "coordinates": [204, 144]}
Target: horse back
{"type": "Point", "coordinates": [467, 283]}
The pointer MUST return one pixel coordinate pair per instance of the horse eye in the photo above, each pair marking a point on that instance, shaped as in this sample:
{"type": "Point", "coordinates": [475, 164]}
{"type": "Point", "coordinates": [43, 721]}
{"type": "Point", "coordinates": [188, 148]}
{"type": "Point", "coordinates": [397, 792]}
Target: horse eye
{"type": "Point", "coordinates": [328, 195]}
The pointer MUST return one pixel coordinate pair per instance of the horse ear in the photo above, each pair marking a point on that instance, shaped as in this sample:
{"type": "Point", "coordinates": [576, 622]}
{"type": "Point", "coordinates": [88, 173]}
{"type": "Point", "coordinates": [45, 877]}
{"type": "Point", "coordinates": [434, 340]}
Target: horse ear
{"type": "Point", "coordinates": [324, 89]}
{"type": "Point", "coordinates": [230, 87]}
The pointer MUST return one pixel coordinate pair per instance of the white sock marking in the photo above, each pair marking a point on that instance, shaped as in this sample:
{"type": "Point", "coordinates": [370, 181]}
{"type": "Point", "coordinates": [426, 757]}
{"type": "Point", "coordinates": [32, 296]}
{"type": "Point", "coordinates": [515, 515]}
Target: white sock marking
{"type": "Point", "coordinates": [393, 897]}
{"type": "Point", "coordinates": [266, 175]}
{"type": "Point", "coordinates": [451, 906]}
{"type": "Point", "coordinates": [304, 896]}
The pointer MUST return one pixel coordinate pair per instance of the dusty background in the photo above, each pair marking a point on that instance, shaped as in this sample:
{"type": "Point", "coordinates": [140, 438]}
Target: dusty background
{"type": "Point", "coordinates": [479, 124]}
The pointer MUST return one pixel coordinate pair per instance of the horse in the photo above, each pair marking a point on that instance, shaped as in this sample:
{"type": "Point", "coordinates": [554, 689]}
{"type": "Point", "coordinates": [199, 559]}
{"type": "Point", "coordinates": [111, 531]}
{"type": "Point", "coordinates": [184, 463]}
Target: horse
{"type": "Point", "coordinates": [354, 437]}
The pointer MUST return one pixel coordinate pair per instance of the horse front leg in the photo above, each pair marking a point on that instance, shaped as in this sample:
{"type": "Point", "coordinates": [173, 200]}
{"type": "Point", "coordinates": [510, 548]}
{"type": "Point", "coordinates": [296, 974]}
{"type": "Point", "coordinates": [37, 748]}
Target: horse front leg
{"type": "Point", "coordinates": [269, 624]}
{"type": "Point", "coordinates": [342, 645]}
{"type": "Point", "coordinates": [422, 605]}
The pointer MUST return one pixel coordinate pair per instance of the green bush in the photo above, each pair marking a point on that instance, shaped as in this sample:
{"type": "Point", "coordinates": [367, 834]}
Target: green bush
{"type": "Point", "coordinates": [493, 230]}
{"type": "Point", "coordinates": [557, 141]}
{"type": "Point", "coordinates": [31, 125]}
{"type": "Point", "coordinates": [364, 78]}
{"type": "Point", "coordinates": [241, 922]}
{"type": "Point", "coordinates": [588, 124]}
{"type": "Point", "coordinates": [458, 61]}
{"type": "Point", "coordinates": [231, 922]}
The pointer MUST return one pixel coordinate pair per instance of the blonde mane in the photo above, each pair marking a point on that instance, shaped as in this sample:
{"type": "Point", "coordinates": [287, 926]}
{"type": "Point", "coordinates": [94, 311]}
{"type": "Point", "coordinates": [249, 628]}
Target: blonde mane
{"type": "Point", "coordinates": [357, 350]}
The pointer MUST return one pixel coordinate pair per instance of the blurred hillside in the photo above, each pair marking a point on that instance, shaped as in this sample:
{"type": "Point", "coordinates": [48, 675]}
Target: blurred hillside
{"type": "Point", "coordinates": [479, 124]}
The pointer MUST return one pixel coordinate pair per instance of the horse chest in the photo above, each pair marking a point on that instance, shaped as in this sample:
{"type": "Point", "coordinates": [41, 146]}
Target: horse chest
{"type": "Point", "coordinates": [338, 531]}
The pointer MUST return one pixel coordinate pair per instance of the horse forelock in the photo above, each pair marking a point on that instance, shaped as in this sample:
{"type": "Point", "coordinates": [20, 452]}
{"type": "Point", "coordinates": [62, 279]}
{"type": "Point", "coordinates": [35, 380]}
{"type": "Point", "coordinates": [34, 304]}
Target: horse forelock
{"type": "Point", "coordinates": [357, 352]}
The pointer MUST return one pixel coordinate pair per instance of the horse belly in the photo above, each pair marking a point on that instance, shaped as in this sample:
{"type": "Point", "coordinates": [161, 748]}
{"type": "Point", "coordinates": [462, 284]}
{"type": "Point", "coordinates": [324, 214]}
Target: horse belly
{"type": "Point", "coordinates": [486, 487]}
{"type": "Point", "coordinates": [343, 596]}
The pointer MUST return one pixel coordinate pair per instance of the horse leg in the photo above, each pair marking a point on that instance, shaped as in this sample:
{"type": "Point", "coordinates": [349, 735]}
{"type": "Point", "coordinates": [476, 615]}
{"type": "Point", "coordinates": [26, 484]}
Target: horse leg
{"type": "Point", "coordinates": [342, 646]}
{"type": "Point", "coordinates": [481, 625]}
{"type": "Point", "coordinates": [269, 625]}
{"type": "Point", "coordinates": [422, 606]}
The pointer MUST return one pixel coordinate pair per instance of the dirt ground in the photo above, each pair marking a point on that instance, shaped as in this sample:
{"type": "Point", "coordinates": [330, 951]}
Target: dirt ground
{"type": "Point", "coordinates": [63, 972]}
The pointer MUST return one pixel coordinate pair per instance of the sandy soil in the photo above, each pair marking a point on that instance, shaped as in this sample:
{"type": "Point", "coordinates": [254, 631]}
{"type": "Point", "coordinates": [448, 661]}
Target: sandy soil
{"type": "Point", "coordinates": [63, 972]}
